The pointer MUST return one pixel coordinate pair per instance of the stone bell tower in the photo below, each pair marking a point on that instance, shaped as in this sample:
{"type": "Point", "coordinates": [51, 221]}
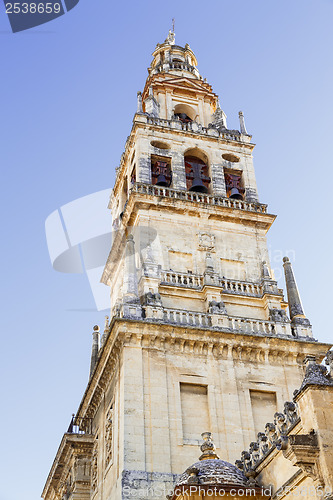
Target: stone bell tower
{"type": "Point", "coordinates": [199, 337]}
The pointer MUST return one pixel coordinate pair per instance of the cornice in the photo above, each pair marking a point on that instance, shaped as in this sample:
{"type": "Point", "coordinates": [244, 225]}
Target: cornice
{"type": "Point", "coordinates": [71, 445]}
{"type": "Point", "coordinates": [166, 338]}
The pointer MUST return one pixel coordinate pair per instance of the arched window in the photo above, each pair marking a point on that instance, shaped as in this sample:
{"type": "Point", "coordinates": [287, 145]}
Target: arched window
{"type": "Point", "coordinates": [233, 184]}
{"type": "Point", "coordinates": [185, 113]}
{"type": "Point", "coordinates": [161, 171]}
{"type": "Point", "coordinates": [197, 172]}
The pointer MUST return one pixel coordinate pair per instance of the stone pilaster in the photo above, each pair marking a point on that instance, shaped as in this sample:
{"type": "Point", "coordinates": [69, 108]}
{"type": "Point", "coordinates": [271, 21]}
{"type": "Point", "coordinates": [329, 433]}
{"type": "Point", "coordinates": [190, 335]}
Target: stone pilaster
{"type": "Point", "coordinates": [131, 307]}
{"type": "Point", "coordinates": [218, 180]}
{"type": "Point", "coordinates": [144, 169]}
{"type": "Point", "coordinates": [178, 171]}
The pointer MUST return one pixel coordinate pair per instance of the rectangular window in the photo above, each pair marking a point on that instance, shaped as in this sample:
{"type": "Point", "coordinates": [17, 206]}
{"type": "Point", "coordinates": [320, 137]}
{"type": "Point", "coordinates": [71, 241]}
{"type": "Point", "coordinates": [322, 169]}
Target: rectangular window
{"type": "Point", "coordinates": [180, 262]}
{"type": "Point", "coordinates": [195, 414]}
{"type": "Point", "coordinates": [263, 408]}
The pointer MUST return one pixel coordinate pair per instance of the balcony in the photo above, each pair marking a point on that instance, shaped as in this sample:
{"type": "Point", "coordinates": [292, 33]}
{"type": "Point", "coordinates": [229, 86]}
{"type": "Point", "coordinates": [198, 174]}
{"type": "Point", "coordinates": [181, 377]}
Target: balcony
{"type": "Point", "coordinates": [80, 425]}
{"type": "Point", "coordinates": [194, 197]}
{"type": "Point", "coordinates": [227, 323]}
{"type": "Point", "coordinates": [194, 127]}
{"type": "Point", "coordinates": [229, 286]}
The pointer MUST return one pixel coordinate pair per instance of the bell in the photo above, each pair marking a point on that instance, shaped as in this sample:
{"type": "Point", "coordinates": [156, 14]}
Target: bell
{"type": "Point", "coordinates": [235, 194]}
{"type": "Point", "coordinates": [198, 186]}
{"type": "Point", "coordinates": [161, 181]}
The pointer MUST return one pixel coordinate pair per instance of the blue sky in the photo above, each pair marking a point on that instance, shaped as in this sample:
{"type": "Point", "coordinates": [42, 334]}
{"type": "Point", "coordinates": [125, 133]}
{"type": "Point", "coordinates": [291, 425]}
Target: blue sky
{"type": "Point", "coordinates": [68, 95]}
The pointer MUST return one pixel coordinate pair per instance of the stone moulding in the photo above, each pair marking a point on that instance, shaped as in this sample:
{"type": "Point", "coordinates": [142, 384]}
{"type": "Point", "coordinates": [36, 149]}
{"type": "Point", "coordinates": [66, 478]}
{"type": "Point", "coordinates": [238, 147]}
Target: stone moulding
{"type": "Point", "coordinates": [179, 339]}
{"type": "Point", "coordinates": [72, 446]}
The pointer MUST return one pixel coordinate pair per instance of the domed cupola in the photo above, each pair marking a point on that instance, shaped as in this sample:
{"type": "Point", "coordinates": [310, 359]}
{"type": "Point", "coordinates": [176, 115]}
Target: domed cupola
{"type": "Point", "coordinates": [172, 58]}
{"type": "Point", "coordinates": [211, 475]}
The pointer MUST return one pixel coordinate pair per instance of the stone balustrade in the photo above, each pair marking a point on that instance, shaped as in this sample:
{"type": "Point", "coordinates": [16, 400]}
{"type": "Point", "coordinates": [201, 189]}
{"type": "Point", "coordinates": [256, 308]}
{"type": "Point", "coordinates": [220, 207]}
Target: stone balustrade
{"type": "Point", "coordinates": [181, 279]}
{"type": "Point", "coordinates": [190, 318]}
{"type": "Point", "coordinates": [241, 287]}
{"type": "Point", "coordinates": [192, 196]}
{"type": "Point", "coordinates": [229, 323]}
{"type": "Point", "coordinates": [258, 326]}
{"type": "Point", "coordinates": [196, 128]}
{"type": "Point", "coordinates": [229, 286]}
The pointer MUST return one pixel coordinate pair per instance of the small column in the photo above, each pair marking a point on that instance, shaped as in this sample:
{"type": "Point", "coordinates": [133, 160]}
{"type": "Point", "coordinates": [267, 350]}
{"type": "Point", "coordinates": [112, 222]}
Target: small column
{"type": "Point", "coordinates": [131, 303]}
{"type": "Point", "coordinates": [94, 349]}
{"type": "Point", "coordinates": [242, 123]}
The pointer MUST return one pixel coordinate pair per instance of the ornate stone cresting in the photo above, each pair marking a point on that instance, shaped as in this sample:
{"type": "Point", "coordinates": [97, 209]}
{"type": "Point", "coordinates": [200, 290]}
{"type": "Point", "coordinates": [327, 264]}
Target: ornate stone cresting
{"type": "Point", "coordinates": [275, 436]}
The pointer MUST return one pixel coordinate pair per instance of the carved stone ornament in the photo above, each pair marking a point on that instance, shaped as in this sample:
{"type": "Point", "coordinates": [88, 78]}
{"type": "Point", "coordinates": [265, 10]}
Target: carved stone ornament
{"type": "Point", "coordinates": [94, 466]}
{"type": "Point", "coordinates": [206, 241]}
{"type": "Point", "coordinates": [108, 436]}
{"type": "Point", "coordinates": [316, 375]}
{"type": "Point", "coordinates": [329, 362]}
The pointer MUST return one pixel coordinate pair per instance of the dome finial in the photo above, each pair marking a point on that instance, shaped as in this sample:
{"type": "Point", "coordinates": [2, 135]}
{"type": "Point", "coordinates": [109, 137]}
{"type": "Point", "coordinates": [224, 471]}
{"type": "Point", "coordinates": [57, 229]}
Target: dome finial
{"type": "Point", "coordinates": [171, 38]}
{"type": "Point", "coordinates": [208, 447]}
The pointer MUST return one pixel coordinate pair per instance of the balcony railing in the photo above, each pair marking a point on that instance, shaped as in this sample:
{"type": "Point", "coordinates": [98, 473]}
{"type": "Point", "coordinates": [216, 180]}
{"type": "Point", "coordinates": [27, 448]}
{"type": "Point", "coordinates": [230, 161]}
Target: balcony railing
{"type": "Point", "coordinates": [192, 196]}
{"type": "Point", "coordinates": [190, 318]}
{"type": "Point", "coordinates": [80, 425]}
{"type": "Point", "coordinates": [235, 287]}
{"type": "Point", "coordinates": [241, 287]}
{"type": "Point", "coordinates": [181, 279]}
{"type": "Point", "coordinates": [194, 127]}
{"type": "Point", "coordinates": [234, 324]}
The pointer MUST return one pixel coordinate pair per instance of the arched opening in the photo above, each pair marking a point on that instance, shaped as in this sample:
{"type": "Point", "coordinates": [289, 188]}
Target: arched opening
{"type": "Point", "coordinates": [197, 171]}
{"type": "Point", "coordinates": [234, 185]}
{"type": "Point", "coordinates": [185, 113]}
{"type": "Point", "coordinates": [161, 174]}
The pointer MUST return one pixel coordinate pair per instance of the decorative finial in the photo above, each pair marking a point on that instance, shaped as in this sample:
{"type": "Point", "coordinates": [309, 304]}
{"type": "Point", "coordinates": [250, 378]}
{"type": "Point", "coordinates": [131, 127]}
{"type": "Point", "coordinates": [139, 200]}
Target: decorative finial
{"type": "Point", "coordinates": [294, 300]}
{"type": "Point", "coordinates": [329, 362]}
{"type": "Point", "coordinates": [171, 38]}
{"type": "Point", "coordinates": [266, 272]}
{"type": "Point", "coordinates": [139, 103]}
{"type": "Point", "coordinates": [94, 349]}
{"type": "Point", "coordinates": [242, 123]}
{"type": "Point", "coordinates": [208, 447]}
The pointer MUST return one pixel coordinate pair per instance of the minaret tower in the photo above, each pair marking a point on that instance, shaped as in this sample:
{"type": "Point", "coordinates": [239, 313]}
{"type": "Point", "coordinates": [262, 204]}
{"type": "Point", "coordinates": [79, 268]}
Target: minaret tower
{"type": "Point", "coordinates": [199, 337]}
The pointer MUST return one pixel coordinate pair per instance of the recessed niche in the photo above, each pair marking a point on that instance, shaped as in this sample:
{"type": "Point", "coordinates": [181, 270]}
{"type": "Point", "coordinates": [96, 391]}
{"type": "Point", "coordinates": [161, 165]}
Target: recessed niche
{"type": "Point", "coordinates": [160, 145]}
{"type": "Point", "coordinates": [231, 157]}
